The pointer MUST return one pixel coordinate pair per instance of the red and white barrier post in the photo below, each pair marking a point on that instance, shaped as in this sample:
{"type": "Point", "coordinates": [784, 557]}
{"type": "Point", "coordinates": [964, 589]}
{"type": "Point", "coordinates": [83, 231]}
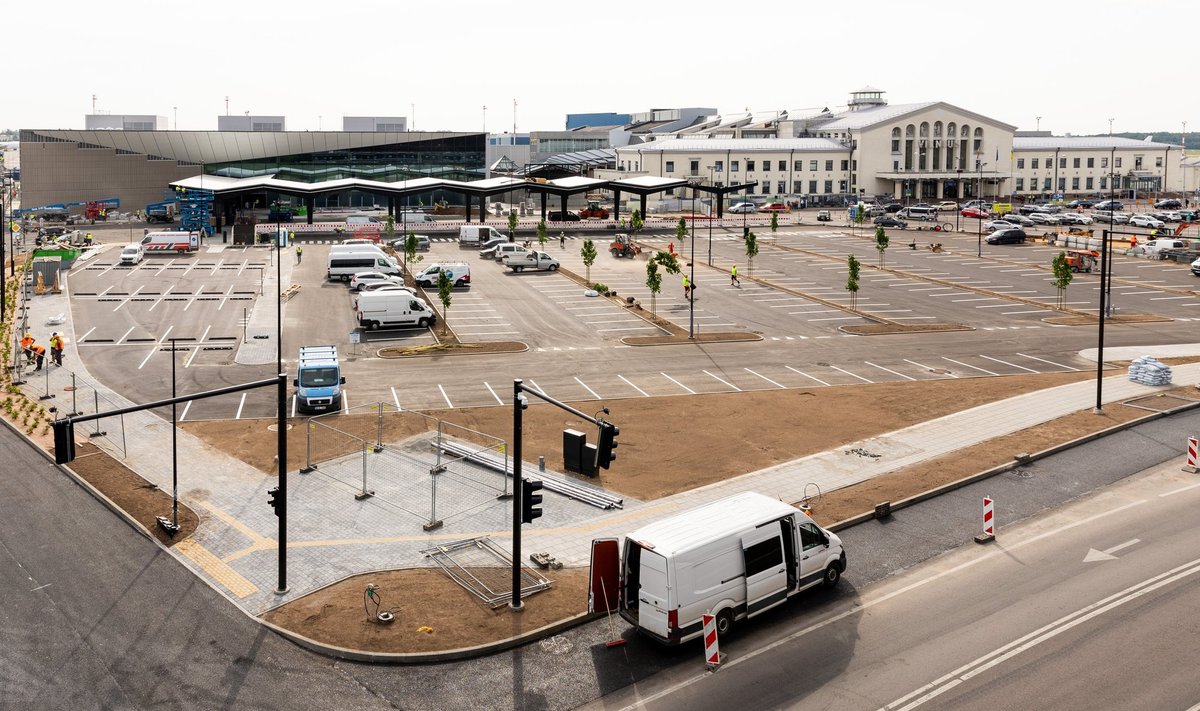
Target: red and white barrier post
{"type": "Point", "coordinates": [712, 655]}
{"type": "Point", "coordinates": [1190, 467]}
{"type": "Point", "coordinates": [989, 522]}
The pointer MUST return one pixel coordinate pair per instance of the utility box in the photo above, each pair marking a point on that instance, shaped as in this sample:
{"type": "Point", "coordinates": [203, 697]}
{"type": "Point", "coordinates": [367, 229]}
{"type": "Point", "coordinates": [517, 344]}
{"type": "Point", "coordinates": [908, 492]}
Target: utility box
{"type": "Point", "coordinates": [575, 455]}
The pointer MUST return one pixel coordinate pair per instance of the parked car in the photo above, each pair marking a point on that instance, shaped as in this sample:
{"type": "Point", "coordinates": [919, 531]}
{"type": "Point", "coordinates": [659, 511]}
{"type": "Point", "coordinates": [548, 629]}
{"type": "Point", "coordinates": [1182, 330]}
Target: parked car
{"type": "Point", "coordinates": [1168, 204]}
{"type": "Point", "coordinates": [1146, 221]}
{"type": "Point", "coordinates": [1196, 267]}
{"type": "Point", "coordinates": [889, 221]}
{"type": "Point", "coordinates": [824, 216]}
{"type": "Point", "coordinates": [1044, 218]}
{"type": "Point", "coordinates": [560, 216]}
{"type": "Point", "coordinates": [1170, 216]}
{"type": "Point", "coordinates": [1075, 218]}
{"type": "Point", "coordinates": [1108, 206]}
{"type": "Point", "coordinates": [999, 225]}
{"type": "Point", "coordinates": [1077, 204]}
{"type": "Point", "coordinates": [1032, 208]}
{"type": "Point", "coordinates": [422, 243]}
{"type": "Point", "coordinates": [361, 279]}
{"type": "Point", "coordinates": [775, 207]}
{"type": "Point", "coordinates": [381, 286]}
{"type": "Point", "coordinates": [1018, 219]}
{"type": "Point", "coordinates": [743, 208]}
{"type": "Point", "coordinates": [975, 211]}
{"type": "Point", "coordinates": [892, 207]}
{"type": "Point", "coordinates": [947, 206]}
{"type": "Point", "coordinates": [1009, 236]}
{"type": "Point", "coordinates": [971, 203]}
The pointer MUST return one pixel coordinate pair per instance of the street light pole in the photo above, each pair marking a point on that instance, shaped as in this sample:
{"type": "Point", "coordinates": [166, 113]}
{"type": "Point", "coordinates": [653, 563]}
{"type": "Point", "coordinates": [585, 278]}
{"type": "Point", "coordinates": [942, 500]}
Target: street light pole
{"type": "Point", "coordinates": [979, 238]}
{"type": "Point", "coordinates": [712, 208]}
{"type": "Point", "coordinates": [692, 273]}
{"type": "Point", "coordinates": [958, 212]}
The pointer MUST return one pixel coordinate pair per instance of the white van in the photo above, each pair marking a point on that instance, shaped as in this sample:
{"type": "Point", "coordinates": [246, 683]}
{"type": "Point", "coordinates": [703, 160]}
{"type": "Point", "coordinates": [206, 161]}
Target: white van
{"type": "Point", "coordinates": [132, 254]}
{"type": "Point", "coordinates": [362, 220]}
{"type": "Point", "coordinates": [360, 241]}
{"type": "Point", "coordinates": [928, 214]}
{"type": "Point", "coordinates": [373, 247]}
{"type": "Point", "coordinates": [343, 265]}
{"type": "Point", "coordinates": [409, 218]}
{"type": "Point", "coordinates": [1156, 247]}
{"type": "Point", "coordinates": [393, 309]}
{"type": "Point", "coordinates": [502, 250]}
{"type": "Point", "coordinates": [734, 558]}
{"type": "Point", "coordinates": [474, 235]}
{"type": "Point", "coordinates": [459, 273]}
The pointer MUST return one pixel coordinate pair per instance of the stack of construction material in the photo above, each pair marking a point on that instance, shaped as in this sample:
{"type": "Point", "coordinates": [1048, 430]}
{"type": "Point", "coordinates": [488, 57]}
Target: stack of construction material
{"type": "Point", "coordinates": [1150, 371]}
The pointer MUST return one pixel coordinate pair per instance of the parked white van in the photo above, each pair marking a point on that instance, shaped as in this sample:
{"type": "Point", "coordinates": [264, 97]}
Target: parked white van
{"type": "Point", "coordinates": [373, 247]}
{"type": "Point", "coordinates": [458, 272]}
{"type": "Point", "coordinates": [928, 214]}
{"type": "Point", "coordinates": [473, 235]}
{"type": "Point", "coordinates": [409, 218]}
{"type": "Point", "coordinates": [362, 220]}
{"type": "Point", "coordinates": [393, 309]}
{"type": "Point", "coordinates": [133, 254]}
{"type": "Point", "coordinates": [734, 558]}
{"type": "Point", "coordinates": [1156, 247]}
{"type": "Point", "coordinates": [343, 265]}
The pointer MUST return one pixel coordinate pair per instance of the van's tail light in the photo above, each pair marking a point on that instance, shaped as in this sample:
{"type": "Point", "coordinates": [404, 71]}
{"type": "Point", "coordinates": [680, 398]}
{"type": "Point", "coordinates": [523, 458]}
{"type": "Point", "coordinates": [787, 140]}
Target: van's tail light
{"type": "Point", "coordinates": [672, 620]}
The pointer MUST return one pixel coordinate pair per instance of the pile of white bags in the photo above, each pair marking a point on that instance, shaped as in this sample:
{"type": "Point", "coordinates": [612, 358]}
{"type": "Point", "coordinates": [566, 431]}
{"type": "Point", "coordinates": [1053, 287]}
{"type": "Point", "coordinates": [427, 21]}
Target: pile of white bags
{"type": "Point", "coordinates": [1149, 371]}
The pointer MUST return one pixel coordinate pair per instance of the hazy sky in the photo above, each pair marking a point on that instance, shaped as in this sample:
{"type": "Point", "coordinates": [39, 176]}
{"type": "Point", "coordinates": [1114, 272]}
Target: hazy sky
{"type": "Point", "coordinates": [1075, 64]}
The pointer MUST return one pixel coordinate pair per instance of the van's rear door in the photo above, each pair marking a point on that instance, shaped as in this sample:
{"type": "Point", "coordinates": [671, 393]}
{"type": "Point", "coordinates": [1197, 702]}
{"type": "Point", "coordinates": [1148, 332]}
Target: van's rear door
{"type": "Point", "coordinates": [766, 571]}
{"type": "Point", "coordinates": [652, 593]}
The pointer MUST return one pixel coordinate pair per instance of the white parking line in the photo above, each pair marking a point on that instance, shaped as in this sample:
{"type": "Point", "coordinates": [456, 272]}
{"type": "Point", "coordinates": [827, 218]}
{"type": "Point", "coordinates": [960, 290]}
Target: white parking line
{"type": "Point", "coordinates": [84, 336]}
{"type": "Point", "coordinates": [631, 328]}
{"type": "Point", "coordinates": [643, 392]}
{"type": "Point", "coordinates": [969, 366]}
{"type": "Point", "coordinates": [1014, 365]}
{"type": "Point", "coordinates": [783, 387]}
{"type": "Point", "coordinates": [187, 405]}
{"type": "Point", "coordinates": [840, 370]}
{"type": "Point", "coordinates": [673, 380]}
{"type": "Point", "coordinates": [241, 404]}
{"type": "Point", "coordinates": [919, 365]}
{"type": "Point", "coordinates": [902, 375]}
{"type": "Point", "coordinates": [1015, 313]}
{"type": "Point", "coordinates": [396, 398]}
{"type": "Point", "coordinates": [537, 387]}
{"type": "Point", "coordinates": [294, 398]}
{"type": "Point", "coordinates": [197, 346]}
{"type": "Point", "coordinates": [122, 338]}
{"type": "Point", "coordinates": [811, 377]}
{"type": "Point", "coordinates": [722, 381]}
{"type": "Point", "coordinates": [982, 298]}
{"type": "Point", "coordinates": [165, 295]}
{"type": "Point", "coordinates": [493, 392]}
{"type": "Point", "coordinates": [1170, 298]}
{"type": "Point", "coordinates": [127, 298]}
{"type": "Point", "coordinates": [1060, 365]}
{"type": "Point", "coordinates": [445, 396]}
{"type": "Point", "coordinates": [585, 387]}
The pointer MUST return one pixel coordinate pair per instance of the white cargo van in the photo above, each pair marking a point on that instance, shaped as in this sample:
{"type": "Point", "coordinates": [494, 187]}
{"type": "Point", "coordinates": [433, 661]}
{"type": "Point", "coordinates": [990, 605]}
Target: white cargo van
{"type": "Point", "coordinates": [362, 220]}
{"type": "Point", "coordinates": [928, 214]}
{"type": "Point", "coordinates": [474, 235]}
{"type": "Point", "coordinates": [343, 265]}
{"type": "Point", "coordinates": [459, 273]}
{"type": "Point", "coordinates": [410, 218]}
{"type": "Point", "coordinates": [373, 247]}
{"type": "Point", "coordinates": [393, 309]}
{"type": "Point", "coordinates": [734, 558]}
{"type": "Point", "coordinates": [132, 254]}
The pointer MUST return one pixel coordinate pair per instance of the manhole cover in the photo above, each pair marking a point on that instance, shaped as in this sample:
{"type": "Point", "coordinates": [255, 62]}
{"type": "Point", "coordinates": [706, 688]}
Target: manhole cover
{"type": "Point", "coordinates": [275, 427]}
{"type": "Point", "coordinates": [70, 389]}
{"type": "Point", "coordinates": [1023, 473]}
{"type": "Point", "coordinates": [939, 371]}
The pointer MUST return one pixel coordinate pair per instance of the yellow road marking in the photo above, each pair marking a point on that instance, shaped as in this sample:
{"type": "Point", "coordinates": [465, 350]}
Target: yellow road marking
{"type": "Point", "coordinates": [216, 569]}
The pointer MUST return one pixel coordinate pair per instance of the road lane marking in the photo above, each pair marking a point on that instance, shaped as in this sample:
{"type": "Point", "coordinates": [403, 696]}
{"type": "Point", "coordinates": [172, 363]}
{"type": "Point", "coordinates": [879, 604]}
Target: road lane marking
{"type": "Point", "coordinates": [196, 349]}
{"type": "Point", "coordinates": [164, 296]}
{"type": "Point", "coordinates": [157, 346]}
{"type": "Point", "coordinates": [127, 298]}
{"type": "Point", "coordinates": [396, 398]}
{"type": "Point", "coordinates": [673, 380]}
{"type": "Point", "coordinates": [585, 387]}
{"type": "Point", "coordinates": [1014, 365]}
{"type": "Point", "coordinates": [902, 375]}
{"type": "Point", "coordinates": [811, 377]}
{"type": "Point", "coordinates": [493, 392]}
{"type": "Point", "coordinates": [445, 396]}
{"type": "Point", "coordinates": [241, 404]}
{"type": "Point", "coordinates": [186, 406]}
{"type": "Point", "coordinates": [981, 370]}
{"type": "Point", "coordinates": [783, 387]}
{"type": "Point", "coordinates": [721, 381]}
{"type": "Point", "coordinates": [225, 298]}
{"type": "Point", "coordinates": [643, 392]}
{"type": "Point", "coordinates": [1122, 546]}
{"type": "Point", "coordinates": [852, 374]}
{"type": "Point", "coordinates": [1060, 365]}
{"type": "Point", "coordinates": [84, 336]}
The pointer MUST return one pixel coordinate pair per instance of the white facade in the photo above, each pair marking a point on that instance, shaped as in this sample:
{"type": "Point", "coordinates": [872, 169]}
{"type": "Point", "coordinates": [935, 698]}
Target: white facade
{"type": "Point", "coordinates": [124, 122]}
{"type": "Point", "coordinates": [1046, 166]}
{"type": "Point", "coordinates": [247, 122]}
{"type": "Point", "coordinates": [375, 124]}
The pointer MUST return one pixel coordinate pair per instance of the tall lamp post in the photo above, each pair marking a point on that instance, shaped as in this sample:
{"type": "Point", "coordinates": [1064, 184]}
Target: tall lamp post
{"type": "Point", "coordinates": [958, 212]}
{"type": "Point", "coordinates": [712, 208]}
{"type": "Point", "coordinates": [692, 273]}
{"type": "Point", "coordinates": [281, 500]}
{"type": "Point", "coordinates": [979, 239]}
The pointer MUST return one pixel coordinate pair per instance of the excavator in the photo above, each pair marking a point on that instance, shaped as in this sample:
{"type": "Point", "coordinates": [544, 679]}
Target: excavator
{"type": "Point", "coordinates": [623, 246]}
{"type": "Point", "coordinates": [594, 210]}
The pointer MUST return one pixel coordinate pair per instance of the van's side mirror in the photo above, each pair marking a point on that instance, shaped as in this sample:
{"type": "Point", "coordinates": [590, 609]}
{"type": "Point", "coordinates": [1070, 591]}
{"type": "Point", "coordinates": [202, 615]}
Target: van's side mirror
{"type": "Point", "coordinates": [295, 382]}
{"type": "Point", "coordinates": [342, 380]}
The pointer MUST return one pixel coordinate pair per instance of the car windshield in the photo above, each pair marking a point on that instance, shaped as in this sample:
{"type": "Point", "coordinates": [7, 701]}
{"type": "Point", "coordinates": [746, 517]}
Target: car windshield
{"type": "Point", "coordinates": [318, 377]}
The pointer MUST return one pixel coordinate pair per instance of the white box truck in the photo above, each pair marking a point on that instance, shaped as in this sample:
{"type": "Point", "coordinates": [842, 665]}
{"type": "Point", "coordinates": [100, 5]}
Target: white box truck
{"type": "Point", "coordinates": [734, 558]}
{"type": "Point", "coordinates": [393, 309]}
{"type": "Point", "coordinates": [177, 242]}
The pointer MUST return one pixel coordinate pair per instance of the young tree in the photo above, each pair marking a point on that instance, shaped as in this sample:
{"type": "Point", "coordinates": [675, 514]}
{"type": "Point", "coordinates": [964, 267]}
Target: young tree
{"type": "Point", "coordinates": [881, 243]}
{"type": "Point", "coordinates": [410, 251]}
{"type": "Point", "coordinates": [636, 223]}
{"type": "Point", "coordinates": [541, 234]}
{"type": "Point", "coordinates": [667, 261]}
{"type": "Point", "coordinates": [653, 283]}
{"type": "Point", "coordinates": [444, 287]}
{"type": "Point", "coordinates": [389, 228]}
{"type": "Point", "coordinates": [853, 266]}
{"type": "Point", "coordinates": [1062, 276]}
{"type": "Point", "coordinates": [512, 225]}
{"type": "Point", "coordinates": [774, 224]}
{"type": "Point", "coordinates": [588, 252]}
{"type": "Point", "coordinates": [751, 251]}
{"type": "Point", "coordinates": [860, 214]}
{"type": "Point", "coordinates": [681, 232]}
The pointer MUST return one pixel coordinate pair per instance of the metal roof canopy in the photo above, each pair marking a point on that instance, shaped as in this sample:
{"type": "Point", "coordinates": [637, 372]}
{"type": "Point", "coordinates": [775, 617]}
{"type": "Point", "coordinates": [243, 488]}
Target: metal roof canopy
{"type": "Point", "coordinates": [722, 190]}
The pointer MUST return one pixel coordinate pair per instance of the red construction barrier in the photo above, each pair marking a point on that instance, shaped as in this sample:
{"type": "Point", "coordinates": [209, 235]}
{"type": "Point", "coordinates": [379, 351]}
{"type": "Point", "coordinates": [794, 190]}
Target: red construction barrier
{"type": "Point", "coordinates": [712, 656]}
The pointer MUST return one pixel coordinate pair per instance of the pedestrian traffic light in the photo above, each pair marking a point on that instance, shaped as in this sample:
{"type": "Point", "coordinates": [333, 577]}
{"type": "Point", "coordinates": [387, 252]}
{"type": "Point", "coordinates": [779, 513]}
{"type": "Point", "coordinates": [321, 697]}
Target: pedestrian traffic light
{"type": "Point", "coordinates": [607, 443]}
{"type": "Point", "coordinates": [273, 499]}
{"type": "Point", "coordinates": [529, 500]}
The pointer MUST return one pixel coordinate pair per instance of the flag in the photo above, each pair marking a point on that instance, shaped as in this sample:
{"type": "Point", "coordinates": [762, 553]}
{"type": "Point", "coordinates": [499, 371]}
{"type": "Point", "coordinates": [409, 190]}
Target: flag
{"type": "Point", "coordinates": [997, 154]}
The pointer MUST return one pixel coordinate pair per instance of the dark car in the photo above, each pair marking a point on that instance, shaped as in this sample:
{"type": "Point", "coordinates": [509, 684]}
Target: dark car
{"type": "Point", "coordinates": [1168, 204]}
{"type": "Point", "coordinates": [560, 216]}
{"type": "Point", "coordinates": [889, 221]}
{"type": "Point", "coordinates": [1081, 203]}
{"type": "Point", "coordinates": [1109, 206]}
{"type": "Point", "coordinates": [893, 207]}
{"type": "Point", "coordinates": [1010, 236]}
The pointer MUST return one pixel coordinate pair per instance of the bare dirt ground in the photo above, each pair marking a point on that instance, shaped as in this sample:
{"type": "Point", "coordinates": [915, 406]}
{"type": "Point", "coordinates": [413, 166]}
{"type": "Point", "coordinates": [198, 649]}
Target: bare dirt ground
{"type": "Point", "coordinates": [657, 456]}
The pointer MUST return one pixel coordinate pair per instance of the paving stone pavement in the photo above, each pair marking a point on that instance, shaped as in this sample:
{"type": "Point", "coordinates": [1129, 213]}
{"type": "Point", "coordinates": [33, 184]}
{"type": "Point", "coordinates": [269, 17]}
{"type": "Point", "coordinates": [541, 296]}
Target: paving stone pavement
{"type": "Point", "coordinates": [332, 534]}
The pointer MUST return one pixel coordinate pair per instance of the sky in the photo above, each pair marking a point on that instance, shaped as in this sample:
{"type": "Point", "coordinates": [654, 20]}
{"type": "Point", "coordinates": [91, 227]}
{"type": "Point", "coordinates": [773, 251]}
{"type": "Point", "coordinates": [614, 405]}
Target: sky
{"type": "Point", "coordinates": [1074, 64]}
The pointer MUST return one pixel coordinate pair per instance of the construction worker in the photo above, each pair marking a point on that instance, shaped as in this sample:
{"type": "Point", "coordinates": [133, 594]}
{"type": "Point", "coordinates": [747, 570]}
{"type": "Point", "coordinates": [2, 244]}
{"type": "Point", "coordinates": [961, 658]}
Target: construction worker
{"type": "Point", "coordinates": [299, 253]}
{"type": "Point", "coordinates": [733, 280]}
{"type": "Point", "coordinates": [56, 348]}
{"type": "Point", "coordinates": [87, 240]}
{"type": "Point", "coordinates": [27, 347]}
{"type": "Point", "coordinates": [39, 352]}
{"type": "Point", "coordinates": [562, 240]}
{"type": "Point", "coordinates": [687, 287]}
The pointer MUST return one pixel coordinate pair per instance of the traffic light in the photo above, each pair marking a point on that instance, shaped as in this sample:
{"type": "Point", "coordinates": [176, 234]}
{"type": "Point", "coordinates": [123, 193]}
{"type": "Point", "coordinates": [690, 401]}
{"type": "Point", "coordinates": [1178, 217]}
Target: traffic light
{"type": "Point", "coordinates": [530, 500]}
{"type": "Point", "coordinates": [606, 444]}
{"type": "Point", "coordinates": [64, 441]}
{"type": "Point", "coordinates": [273, 499]}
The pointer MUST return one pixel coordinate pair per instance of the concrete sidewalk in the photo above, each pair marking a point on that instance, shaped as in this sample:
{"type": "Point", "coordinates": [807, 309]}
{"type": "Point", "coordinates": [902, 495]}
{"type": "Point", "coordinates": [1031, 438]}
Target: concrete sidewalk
{"type": "Point", "coordinates": [332, 534]}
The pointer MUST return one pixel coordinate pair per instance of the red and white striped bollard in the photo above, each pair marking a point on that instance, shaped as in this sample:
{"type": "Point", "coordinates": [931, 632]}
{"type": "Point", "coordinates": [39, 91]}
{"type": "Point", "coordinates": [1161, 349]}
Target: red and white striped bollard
{"type": "Point", "coordinates": [989, 522]}
{"type": "Point", "coordinates": [1190, 467]}
{"type": "Point", "coordinates": [712, 655]}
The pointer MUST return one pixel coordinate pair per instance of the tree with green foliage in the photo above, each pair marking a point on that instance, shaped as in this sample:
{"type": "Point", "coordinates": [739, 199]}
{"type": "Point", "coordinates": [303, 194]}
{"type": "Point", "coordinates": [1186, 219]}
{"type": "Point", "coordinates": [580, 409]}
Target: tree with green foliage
{"type": "Point", "coordinates": [751, 251]}
{"type": "Point", "coordinates": [444, 286]}
{"type": "Point", "coordinates": [588, 252]}
{"type": "Point", "coordinates": [681, 231]}
{"type": "Point", "coordinates": [853, 267]}
{"type": "Point", "coordinates": [1062, 276]}
{"type": "Point", "coordinates": [512, 225]}
{"type": "Point", "coordinates": [541, 234]}
{"type": "Point", "coordinates": [654, 284]}
{"type": "Point", "coordinates": [881, 243]}
{"type": "Point", "coordinates": [860, 214]}
{"type": "Point", "coordinates": [636, 222]}
{"type": "Point", "coordinates": [410, 251]}
{"type": "Point", "coordinates": [774, 224]}
{"type": "Point", "coordinates": [389, 228]}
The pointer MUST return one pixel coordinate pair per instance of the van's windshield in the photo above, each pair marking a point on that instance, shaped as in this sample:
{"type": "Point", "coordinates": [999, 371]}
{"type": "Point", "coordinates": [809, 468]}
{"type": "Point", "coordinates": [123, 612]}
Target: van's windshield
{"type": "Point", "coordinates": [318, 377]}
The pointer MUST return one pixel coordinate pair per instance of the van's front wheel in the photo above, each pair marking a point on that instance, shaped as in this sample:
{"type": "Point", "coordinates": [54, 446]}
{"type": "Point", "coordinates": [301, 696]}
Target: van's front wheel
{"type": "Point", "coordinates": [423, 323]}
{"type": "Point", "coordinates": [833, 573]}
{"type": "Point", "coordinates": [724, 622]}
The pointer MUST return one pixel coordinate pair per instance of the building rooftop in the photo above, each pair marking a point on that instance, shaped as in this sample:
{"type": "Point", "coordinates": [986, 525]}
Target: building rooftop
{"type": "Point", "coordinates": [1029, 143]}
{"type": "Point", "coordinates": [743, 144]}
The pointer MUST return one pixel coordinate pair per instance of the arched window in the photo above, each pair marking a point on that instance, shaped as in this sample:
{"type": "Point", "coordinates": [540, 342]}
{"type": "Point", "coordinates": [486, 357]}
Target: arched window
{"type": "Point", "coordinates": [978, 140]}
{"type": "Point", "coordinates": [896, 140]}
{"type": "Point", "coordinates": [937, 129]}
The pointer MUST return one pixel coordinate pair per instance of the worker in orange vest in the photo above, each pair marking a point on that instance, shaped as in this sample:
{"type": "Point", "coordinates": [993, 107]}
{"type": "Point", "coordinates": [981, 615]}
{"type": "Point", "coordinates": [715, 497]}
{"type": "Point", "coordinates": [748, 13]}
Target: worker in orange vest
{"type": "Point", "coordinates": [39, 352]}
{"type": "Point", "coordinates": [56, 348]}
{"type": "Point", "coordinates": [27, 347]}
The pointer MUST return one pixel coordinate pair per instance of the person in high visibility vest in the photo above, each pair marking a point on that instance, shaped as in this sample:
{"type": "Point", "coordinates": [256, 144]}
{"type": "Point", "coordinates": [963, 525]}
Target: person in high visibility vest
{"type": "Point", "coordinates": [39, 352]}
{"type": "Point", "coordinates": [733, 280]}
{"type": "Point", "coordinates": [299, 253]}
{"type": "Point", "coordinates": [27, 347]}
{"type": "Point", "coordinates": [56, 348]}
{"type": "Point", "coordinates": [687, 287]}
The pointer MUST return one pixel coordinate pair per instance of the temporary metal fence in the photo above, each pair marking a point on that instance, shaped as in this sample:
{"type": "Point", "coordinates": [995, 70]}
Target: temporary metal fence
{"type": "Point", "coordinates": [484, 569]}
{"type": "Point", "coordinates": [68, 394]}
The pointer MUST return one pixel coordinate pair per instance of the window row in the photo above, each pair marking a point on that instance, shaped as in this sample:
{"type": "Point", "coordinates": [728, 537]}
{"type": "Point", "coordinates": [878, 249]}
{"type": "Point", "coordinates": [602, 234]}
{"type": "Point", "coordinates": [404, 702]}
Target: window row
{"type": "Point", "coordinates": [735, 166]}
{"type": "Point", "coordinates": [1091, 162]}
{"type": "Point", "coordinates": [1088, 184]}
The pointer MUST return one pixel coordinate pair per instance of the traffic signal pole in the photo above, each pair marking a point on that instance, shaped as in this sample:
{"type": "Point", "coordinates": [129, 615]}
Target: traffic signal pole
{"type": "Point", "coordinates": [520, 402]}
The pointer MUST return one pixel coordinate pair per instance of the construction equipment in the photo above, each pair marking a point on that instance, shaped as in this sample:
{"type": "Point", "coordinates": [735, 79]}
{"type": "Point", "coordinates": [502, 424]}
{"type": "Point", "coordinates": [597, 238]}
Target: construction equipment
{"type": "Point", "coordinates": [594, 210]}
{"type": "Point", "coordinates": [1082, 260]}
{"type": "Point", "coordinates": [163, 212]}
{"type": "Point", "coordinates": [99, 209]}
{"type": "Point", "coordinates": [623, 246]}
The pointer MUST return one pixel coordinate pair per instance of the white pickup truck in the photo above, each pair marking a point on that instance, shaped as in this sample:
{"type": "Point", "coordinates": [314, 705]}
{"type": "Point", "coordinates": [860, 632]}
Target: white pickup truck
{"type": "Point", "coordinates": [530, 260]}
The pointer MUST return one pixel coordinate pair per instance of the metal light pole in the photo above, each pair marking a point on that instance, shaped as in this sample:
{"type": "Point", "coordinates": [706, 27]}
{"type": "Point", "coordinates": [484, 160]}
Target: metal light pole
{"type": "Point", "coordinates": [281, 500]}
{"type": "Point", "coordinates": [713, 207]}
{"type": "Point", "coordinates": [979, 239]}
{"type": "Point", "coordinates": [692, 273]}
{"type": "Point", "coordinates": [958, 212]}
